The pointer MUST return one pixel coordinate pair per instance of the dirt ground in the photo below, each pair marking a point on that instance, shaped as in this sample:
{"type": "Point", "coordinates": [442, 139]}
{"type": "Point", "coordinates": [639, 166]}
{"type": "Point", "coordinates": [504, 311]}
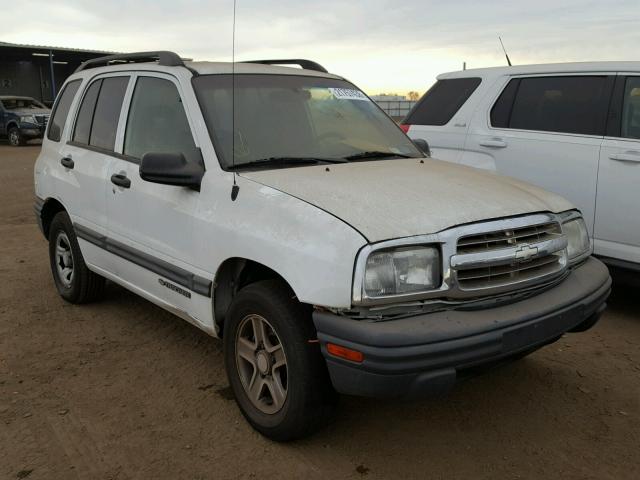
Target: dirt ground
{"type": "Point", "coordinates": [121, 389]}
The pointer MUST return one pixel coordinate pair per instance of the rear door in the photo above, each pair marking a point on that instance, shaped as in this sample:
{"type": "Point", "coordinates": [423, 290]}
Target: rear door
{"type": "Point", "coordinates": [617, 227]}
{"type": "Point", "coordinates": [442, 115]}
{"type": "Point", "coordinates": [85, 158]}
{"type": "Point", "coordinates": [3, 121]}
{"type": "Point", "coordinates": [546, 130]}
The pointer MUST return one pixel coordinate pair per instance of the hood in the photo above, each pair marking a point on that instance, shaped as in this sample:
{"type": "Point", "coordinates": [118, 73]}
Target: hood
{"type": "Point", "coordinates": [31, 111]}
{"type": "Point", "coordinates": [400, 198]}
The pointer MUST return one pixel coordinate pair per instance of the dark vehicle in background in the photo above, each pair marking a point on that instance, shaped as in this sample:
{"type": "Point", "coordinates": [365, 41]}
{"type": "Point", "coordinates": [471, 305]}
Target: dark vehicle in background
{"type": "Point", "coordinates": [22, 119]}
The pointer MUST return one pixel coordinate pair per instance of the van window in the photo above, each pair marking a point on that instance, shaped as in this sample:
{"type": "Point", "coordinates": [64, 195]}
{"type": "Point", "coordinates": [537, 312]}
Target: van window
{"type": "Point", "coordinates": [576, 104]}
{"type": "Point", "coordinates": [61, 110]}
{"type": "Point", "coordinates": [631, 108]}
{"type": "Point", "coordinates": [442, 101]}
{"type": "Point", "coordinates": [157, 121]}
{"type": "Point", "coordinates": [107, 112]}
{"type": "Point", "coordinates": [85, 114]}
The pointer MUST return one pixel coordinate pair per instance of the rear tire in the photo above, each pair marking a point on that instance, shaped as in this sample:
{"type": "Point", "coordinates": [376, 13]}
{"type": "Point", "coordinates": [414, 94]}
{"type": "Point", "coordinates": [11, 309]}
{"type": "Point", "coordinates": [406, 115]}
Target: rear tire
{"type": "Point", "coordinates": [15, 137]}
{"type": "Point", "coordinates": [74, 281]}
{"type": "Point", "coordinates": [279, 379]}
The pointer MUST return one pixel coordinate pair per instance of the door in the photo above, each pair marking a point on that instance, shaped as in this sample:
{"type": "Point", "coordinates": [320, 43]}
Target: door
{"type": "Point", "coordinates": [151, 224]}
{"type": "Point", "coordinates": [617, 228]}
{"type": "Point", "coordinates": [84, 161]}
{"type": "Point", "coordinates": [546, 130]}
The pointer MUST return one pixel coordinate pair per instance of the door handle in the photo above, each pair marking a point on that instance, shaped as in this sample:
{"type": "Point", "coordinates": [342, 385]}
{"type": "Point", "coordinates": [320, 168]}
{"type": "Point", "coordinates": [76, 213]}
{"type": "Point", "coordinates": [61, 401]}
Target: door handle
{"type": "Point", "coordinates": [67, 162]}
{"type": "Point", "coordinates": [120, 180]}
{"type": "Point", "coordinates": [493, 143]}
{"type": "Point", "coordinates": [626, 157]}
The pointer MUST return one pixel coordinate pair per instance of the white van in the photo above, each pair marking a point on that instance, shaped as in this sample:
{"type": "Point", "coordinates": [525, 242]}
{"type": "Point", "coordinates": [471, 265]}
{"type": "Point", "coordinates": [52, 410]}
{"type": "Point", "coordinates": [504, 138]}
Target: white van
{"type": "Point", "coordinates": [571, 128]}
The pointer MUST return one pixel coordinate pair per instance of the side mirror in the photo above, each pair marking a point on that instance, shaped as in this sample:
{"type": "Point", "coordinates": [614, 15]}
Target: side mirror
{"type": "Point", "coordinates": [171, 169]}
{"type": "Point", "coordinates": [422, 144]}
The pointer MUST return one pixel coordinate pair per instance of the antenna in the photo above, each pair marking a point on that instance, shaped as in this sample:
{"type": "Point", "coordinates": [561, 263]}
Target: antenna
{"type": "Point", "coordinates": [505, 51]}
{"type": "Point", "coordinates": [236, 188]}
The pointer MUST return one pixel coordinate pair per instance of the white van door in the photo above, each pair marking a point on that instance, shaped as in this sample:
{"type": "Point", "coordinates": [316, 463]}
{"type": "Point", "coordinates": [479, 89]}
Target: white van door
{"type": "Point", "coordinates": [546, 130]}
{"type": "Point", "coordinates": [617, 227]}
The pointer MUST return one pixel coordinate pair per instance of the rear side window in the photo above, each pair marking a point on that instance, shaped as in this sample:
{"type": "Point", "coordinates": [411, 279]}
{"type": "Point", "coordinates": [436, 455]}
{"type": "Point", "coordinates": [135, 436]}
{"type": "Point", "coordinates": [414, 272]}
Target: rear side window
{"type": "Point", "coordinates": [575, 104]}
{"type": "Point", "coordinates": [97, 121]}
{"type": "Point", "coordinates": [157, 121]}
{"type": "Point", "coordinates": [85, 115]}
{"type": "Point", "coordinates": [631, 108]}
{"type": "Point", "coordinates": [442, 101]}
{"type": "Point", "coordinates": [61, 110]}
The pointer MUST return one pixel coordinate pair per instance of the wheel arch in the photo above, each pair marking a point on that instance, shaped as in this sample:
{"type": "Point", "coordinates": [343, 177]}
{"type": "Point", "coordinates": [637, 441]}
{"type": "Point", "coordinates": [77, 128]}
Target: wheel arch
{"type": "Point", "coordinates": [50, 208]}
{"type": "Point", "coordinates": [232, 275]}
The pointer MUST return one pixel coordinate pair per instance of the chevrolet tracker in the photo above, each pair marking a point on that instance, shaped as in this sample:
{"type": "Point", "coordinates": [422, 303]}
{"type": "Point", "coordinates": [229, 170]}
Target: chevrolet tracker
{"type": "Point", "coordinates": [281, 210]}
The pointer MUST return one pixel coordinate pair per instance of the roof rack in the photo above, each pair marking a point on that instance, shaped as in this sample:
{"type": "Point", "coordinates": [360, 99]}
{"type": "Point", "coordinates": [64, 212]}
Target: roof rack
{"type": "Point", "coordinates": [306, 64]}
{"type": "Point", "coordinates": [168, 59]}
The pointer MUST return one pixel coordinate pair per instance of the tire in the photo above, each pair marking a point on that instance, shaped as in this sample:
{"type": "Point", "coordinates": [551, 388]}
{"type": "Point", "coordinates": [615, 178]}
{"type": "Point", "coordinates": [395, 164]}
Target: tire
{"type": "Point", "coordinates": [74, 281]}
{"type": "Point", "coordinates": [15, 137]}
{"type": "Point", "coordinates": [309, 399]}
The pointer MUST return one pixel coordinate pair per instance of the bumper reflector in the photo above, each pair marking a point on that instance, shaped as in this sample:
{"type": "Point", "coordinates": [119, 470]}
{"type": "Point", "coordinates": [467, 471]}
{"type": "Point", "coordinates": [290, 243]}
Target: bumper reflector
{"type": "Point", "coordinates": [344, 352]}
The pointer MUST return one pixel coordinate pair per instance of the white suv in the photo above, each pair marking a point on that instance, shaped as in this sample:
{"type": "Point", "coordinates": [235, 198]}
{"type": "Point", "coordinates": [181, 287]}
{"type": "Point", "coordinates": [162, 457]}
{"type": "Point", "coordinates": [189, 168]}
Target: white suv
{"type": "Point", "coordinates": [302, 226]}
{"type": "Point", "coordinates": [573, 129]}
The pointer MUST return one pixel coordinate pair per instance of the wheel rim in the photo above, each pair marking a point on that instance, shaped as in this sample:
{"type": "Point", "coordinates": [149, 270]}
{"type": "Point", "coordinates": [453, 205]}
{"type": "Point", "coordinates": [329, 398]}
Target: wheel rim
{"type": "Point", "coordinates": [261, 364]}
{"type": "Point", "coordinates": [13, 137]}
{"type": "Point", "coordinates": [64, 259]}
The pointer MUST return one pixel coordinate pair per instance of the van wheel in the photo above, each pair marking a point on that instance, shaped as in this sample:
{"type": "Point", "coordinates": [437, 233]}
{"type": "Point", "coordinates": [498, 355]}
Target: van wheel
{"type": "Point", "coordinates": [15, 137]}
{"type": "Point", "coordinates": [74, 281]}
{"type": "Point", "coordinates": [279, 379]}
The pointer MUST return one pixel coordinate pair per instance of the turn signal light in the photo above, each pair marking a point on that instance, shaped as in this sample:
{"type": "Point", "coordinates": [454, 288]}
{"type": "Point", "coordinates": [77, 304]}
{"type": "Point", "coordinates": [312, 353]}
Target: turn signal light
{"type": "Point", "coordinates": [344, 352]}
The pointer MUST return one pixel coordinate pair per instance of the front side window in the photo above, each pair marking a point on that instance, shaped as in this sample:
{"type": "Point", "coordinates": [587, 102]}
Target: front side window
{"type": "Point", "coordinates": [442, 101]}
{"type": "Point", "coordinates": [295, 118]}
{"type": "Point", "coordinates": [157, 121]}
{"type": "Point", "coordinates": [61, 110]}
{"type": "Point", "coordinates": [631, 108]}
{"type": "Point", "coordinates": [576, 104]}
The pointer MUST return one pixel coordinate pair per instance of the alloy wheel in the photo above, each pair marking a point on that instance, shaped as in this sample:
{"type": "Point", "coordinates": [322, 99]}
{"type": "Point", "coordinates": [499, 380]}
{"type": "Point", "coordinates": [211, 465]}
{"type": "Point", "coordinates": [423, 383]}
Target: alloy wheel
{"type": "Point", "coordinates": [261, 364]}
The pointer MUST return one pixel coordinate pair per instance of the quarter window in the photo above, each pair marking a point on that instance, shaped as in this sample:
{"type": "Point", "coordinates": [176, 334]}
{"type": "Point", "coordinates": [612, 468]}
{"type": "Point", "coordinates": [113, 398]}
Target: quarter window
{"type": "Point", "coordinates": [61, 111]}
{"type": "Point", "coordinates": [575, 104]}
{"type": "Point", "coordinates": [631, 108]}
{"type": "Point", "coordinates": [442, 101]}
{"type": "Point", "coordinates": [157, 121]}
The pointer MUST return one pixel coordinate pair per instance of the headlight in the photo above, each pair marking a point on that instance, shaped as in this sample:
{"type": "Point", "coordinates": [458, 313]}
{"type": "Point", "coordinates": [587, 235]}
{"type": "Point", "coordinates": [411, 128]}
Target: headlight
{"type": "Point", "coordinates": [579, 244]}
{"type": "Point", "coordinates": [401, 271]}
{"type": "Point", "coordinates": [28, 119]}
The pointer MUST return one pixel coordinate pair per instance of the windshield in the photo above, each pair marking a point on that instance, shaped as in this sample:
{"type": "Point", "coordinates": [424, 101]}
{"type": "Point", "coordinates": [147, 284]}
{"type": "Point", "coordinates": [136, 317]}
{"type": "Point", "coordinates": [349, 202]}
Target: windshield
{"type": "Point", "coordinates": [296, 117]}
{"type": "Point", "coordinates": [21, 103]}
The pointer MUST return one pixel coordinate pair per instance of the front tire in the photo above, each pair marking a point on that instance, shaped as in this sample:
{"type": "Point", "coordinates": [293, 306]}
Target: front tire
{"type": "Point", "coordinates": [74, 281]}
{"type": "Point", "coordinates": [15, 137]}
{"type": "Point", "coordinates": [279, 379]}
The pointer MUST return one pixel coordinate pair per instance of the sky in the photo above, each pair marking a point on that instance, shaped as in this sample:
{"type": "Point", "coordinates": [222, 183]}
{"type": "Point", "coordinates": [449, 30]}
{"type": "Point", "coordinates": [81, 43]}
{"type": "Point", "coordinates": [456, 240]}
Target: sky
{"type": "Point", "coordinates": [382, 46]}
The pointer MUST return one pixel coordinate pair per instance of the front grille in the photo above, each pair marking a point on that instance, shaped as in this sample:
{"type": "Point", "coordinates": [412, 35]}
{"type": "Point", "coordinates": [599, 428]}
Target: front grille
{"type": "Point", "coordinates": [42, 119]}
{"type": "Point", "coordinates": [508, 238]}
{"type": "Point", "coordinates": [510, 258]}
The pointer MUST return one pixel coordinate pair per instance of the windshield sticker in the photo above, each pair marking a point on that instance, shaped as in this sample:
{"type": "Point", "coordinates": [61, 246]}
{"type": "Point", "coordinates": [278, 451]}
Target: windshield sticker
{"type": "Point", "coordinates": [348, 94]}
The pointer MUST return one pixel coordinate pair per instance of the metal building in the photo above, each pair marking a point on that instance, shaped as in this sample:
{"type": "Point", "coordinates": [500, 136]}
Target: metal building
{"type": "Point", "coordinates": [38, 71]}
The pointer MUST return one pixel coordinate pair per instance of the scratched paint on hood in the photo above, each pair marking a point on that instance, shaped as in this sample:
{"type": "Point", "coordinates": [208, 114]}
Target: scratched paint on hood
{"type": "Point", "coordinates": [399, 198]}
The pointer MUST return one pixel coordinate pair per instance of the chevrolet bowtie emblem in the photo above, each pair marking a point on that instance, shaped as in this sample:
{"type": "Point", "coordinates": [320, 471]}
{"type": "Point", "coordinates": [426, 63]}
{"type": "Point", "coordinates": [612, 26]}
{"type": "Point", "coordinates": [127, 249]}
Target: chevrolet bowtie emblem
{"type": "Point", "coordinates": [525, 252]}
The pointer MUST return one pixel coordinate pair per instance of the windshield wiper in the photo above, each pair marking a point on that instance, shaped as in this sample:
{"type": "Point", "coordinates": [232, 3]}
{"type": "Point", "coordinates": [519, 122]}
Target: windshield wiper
{"type": "Point", "coordinates": [285, 161]}
{"type": "Point", "coordinates": [375, 154]}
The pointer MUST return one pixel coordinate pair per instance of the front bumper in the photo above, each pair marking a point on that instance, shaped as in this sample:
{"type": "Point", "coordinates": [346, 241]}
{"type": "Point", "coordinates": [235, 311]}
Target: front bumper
{"type": "Point", "coordinates": [426, 354]}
